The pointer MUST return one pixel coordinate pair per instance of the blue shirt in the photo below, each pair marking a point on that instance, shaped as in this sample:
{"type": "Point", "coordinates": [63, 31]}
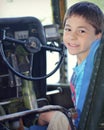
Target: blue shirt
{"type": "Point", "coordinates": [81, 79]}
{"type": "Point", "coordinates": [78, 75]}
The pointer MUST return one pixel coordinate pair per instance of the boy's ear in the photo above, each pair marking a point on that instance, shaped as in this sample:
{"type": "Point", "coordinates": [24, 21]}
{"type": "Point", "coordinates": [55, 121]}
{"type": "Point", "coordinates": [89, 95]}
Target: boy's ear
{"type": "Point", "coordinates": [99, 35]}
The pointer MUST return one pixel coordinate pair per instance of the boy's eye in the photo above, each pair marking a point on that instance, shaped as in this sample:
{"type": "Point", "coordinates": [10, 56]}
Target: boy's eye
{"type": "Point", "coordinates": [67, 29]}
{"type": "Point", "coordinates": [82, 31]}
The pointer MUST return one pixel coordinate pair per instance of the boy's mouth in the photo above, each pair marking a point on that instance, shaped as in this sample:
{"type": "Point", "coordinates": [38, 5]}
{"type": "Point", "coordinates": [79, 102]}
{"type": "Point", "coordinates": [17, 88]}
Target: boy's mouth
{"type": "Point", "coordinates": [72, 45]}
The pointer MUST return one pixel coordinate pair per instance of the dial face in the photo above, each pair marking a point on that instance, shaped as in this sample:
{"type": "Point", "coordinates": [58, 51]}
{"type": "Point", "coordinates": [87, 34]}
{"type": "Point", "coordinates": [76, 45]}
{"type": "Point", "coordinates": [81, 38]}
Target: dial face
{"type": "Point", "coordinates": [21, 34]}
{"type": "Point", "coordinates": [50, 32]}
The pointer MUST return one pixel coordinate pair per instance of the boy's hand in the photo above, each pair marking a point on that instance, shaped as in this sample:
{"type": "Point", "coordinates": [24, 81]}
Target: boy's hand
{"type": "Point", "coordinates": [44, 118]}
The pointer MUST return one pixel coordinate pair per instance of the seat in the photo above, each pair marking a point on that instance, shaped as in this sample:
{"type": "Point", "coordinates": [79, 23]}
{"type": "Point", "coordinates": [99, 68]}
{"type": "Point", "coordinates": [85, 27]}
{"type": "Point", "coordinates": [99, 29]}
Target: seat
{"type": "Point", "coordinates": [14, 95]}
{"type": "Point", "coordinates": [92, 116]}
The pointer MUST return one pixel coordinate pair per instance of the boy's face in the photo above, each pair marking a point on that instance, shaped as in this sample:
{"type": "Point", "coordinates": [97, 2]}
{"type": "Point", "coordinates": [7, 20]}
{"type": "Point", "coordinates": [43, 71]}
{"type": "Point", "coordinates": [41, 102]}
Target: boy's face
{"type": "Point", "coordinates": [78, 36]}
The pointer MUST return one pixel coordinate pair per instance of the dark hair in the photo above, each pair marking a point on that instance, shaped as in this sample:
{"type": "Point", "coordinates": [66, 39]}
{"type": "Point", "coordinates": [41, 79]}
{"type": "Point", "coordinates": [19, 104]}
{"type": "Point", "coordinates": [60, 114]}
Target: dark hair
{"type": "Point", "coordinates": [91, 12]}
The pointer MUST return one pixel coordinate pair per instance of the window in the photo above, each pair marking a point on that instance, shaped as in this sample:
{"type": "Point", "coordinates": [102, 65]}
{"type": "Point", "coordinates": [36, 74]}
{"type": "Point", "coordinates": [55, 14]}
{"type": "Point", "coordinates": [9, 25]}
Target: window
{"type": "Point", "coordinates": [20, 8]}
{"type": "Point", "coordinates": [15, 8]}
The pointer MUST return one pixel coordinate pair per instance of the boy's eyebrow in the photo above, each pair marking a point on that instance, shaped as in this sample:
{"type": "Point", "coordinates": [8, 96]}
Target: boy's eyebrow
{"type": "Point", "coordinates": [83, 27]}
{"type": "Point", "coordinates": [67, 25]}
{"type": "Point", "coordinates": [78, 26]}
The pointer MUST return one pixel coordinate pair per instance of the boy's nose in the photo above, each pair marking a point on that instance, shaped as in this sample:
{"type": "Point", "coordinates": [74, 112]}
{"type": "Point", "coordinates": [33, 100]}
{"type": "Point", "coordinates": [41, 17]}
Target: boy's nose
{"type": "Point", "coordinates": [72, 36]}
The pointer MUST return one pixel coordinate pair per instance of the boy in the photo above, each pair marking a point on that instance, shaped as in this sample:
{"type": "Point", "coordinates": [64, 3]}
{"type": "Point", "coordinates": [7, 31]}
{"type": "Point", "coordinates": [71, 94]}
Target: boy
{"type": "Point", "coordinates": [83, 27]}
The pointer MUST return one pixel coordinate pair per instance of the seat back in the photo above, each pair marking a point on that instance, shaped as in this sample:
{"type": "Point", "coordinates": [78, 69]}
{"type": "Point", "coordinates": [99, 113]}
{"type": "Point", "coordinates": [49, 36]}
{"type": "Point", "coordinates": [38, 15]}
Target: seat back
{"type": "Point", "coordinates": [17, 94]}
{"type": "Point", "coordinates": [92, 116]}
{"type": "Point", "coordinates": [22, 28]}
